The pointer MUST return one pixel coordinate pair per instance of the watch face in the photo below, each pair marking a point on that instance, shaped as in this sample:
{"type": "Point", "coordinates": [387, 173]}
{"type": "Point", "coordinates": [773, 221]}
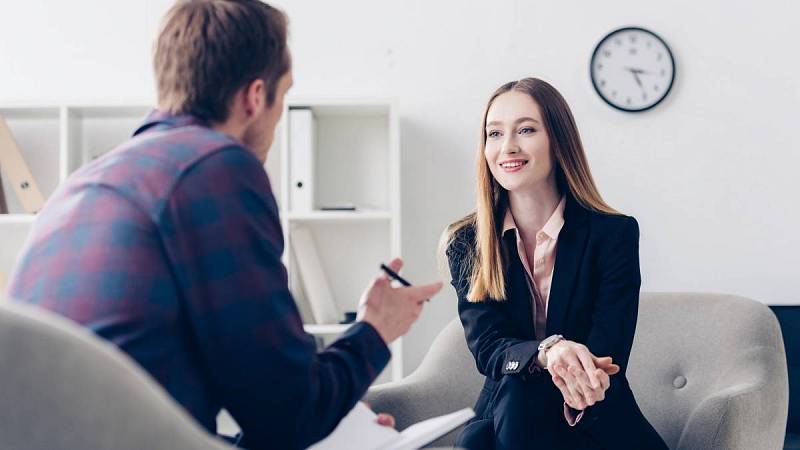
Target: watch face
{"type": "Point", "coordinates": [632, 69]}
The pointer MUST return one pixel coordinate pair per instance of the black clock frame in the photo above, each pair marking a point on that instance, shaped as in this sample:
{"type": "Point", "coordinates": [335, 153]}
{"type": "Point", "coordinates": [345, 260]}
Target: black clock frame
{"type": "Point", "coordinates": [597, 88]}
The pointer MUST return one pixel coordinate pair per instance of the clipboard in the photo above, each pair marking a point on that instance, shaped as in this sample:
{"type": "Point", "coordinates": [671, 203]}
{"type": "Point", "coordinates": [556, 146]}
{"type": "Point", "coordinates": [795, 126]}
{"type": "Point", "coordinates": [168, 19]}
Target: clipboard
{"type": "Point", "coordinates": [19, 175]}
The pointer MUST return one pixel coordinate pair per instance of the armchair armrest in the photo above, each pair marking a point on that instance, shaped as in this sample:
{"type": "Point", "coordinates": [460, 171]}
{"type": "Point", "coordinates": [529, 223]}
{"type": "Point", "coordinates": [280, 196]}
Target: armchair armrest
{"type": "Point", "coordinates": [747, 411]}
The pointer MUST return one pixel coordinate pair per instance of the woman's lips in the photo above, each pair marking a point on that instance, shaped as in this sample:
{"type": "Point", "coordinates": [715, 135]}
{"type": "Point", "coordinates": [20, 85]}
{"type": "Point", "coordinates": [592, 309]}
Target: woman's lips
{"type": "Point", "coordinates": [513, 165]}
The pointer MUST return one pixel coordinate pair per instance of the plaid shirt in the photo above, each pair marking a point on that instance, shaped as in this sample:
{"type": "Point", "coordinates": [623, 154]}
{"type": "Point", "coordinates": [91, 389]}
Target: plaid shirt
{"type": "Point", "coordinates": [169, 247]}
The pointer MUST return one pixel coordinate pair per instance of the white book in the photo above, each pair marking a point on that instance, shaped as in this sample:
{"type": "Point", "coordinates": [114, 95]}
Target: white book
{"type": "Point", "coordinates": [315, 282]}
{"type": "Point", "coordinates": [301, 159]}
{"type": "Point", "coordinates": [359, 430]}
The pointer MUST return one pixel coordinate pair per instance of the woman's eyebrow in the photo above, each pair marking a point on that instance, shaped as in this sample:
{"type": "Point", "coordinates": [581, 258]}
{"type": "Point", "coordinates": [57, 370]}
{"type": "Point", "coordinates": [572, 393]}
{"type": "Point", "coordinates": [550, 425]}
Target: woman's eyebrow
{"type": "Point", "coordinates": [520, 120]}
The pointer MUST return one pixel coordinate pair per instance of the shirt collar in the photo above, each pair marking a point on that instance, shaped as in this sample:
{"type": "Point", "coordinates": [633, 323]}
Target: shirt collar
{"type": "Point", "coordinates": [551, 228]}
{"type": "Point", "coordinates": [160, 120]}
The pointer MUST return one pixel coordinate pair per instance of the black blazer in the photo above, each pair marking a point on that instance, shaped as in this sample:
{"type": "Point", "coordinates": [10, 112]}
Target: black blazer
{"type": "Point", "coordinates": [594, 299]}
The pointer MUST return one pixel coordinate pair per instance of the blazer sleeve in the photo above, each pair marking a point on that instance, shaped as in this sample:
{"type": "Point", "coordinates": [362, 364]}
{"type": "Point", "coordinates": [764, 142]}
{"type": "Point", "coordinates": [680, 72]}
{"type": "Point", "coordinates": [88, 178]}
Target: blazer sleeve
{"type": "Point", "coordinates": [491, 335]}
{"type": "Point", "coordinates": [615, 311]}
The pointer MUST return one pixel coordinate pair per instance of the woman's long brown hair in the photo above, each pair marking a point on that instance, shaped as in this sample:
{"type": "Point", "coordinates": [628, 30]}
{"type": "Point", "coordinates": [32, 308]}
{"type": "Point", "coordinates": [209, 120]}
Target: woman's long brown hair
{"type": "Point", "coordinates": [484, 263]}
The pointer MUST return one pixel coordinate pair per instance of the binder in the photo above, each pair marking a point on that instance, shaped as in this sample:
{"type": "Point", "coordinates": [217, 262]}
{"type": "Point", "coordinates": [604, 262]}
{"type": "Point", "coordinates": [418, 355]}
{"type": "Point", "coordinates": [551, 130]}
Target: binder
{"type": "Point", "coordinates": [3, 204]}
{"type": "Point", "coordinates": [17, 172]}
{"type": "Point", "coordinates": [302, 140]}
{"type": "Point", "coordinates": [315, 282]}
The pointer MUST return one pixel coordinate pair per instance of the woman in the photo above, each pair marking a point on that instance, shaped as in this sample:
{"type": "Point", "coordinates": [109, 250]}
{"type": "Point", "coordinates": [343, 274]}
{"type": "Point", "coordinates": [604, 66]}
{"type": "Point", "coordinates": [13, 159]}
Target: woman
{"type": "Point", "coordinates": [547, 277]}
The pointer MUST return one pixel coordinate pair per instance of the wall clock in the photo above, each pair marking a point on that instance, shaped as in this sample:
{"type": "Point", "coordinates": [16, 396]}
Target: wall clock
{"type": "Point", "coordinates": [632, 69]}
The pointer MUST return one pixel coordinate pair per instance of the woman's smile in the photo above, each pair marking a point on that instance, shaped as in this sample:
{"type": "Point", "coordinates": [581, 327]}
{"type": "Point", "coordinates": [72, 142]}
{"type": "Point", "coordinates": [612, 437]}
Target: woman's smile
{"type": "Point", "coordinates": [513, 165]}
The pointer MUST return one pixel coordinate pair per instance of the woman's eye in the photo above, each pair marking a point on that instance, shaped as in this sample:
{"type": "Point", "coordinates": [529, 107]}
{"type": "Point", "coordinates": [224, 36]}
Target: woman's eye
{"type": "Point", "coordinates": [493, 134]}
{"type": "Point", "coordinates": [527, 130]}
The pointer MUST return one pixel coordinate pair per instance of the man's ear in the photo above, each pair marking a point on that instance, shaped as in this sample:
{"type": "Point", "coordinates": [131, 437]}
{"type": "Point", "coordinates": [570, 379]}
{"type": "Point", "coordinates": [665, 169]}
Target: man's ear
{"type": "Point", "coordinates": [255, 97]}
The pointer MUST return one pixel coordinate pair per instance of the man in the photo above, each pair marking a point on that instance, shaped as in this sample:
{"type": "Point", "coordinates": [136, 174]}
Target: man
{"type": "Point", "coordinates": [170, 245]}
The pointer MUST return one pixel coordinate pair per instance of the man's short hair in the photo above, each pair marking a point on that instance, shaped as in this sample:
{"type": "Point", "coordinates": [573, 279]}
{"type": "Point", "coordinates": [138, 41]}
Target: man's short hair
{"type": "Point", "coordinates": [208, 49]}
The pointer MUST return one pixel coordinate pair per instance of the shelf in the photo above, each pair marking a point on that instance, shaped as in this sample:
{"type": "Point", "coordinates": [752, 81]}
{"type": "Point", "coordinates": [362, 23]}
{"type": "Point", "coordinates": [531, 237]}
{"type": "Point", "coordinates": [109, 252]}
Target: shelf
{"type": "Point", "coordinates": [326, 328]}
{"type": "Point", "coordinates": [17, 219]}
{"type": "Point", "coordinates": [354, 107]}
{"type": "Point", "coordinates": [339, 216]}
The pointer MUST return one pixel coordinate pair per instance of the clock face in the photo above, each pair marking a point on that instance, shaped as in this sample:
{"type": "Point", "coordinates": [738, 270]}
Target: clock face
{"type": "Point", "coordinates": [632, 69]}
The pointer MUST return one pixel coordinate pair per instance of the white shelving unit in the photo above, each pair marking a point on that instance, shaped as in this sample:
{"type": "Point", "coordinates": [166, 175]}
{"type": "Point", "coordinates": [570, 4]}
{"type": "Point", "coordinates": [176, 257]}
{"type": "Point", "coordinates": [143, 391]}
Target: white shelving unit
{"type": "Point", "coordinates": [357, 161]}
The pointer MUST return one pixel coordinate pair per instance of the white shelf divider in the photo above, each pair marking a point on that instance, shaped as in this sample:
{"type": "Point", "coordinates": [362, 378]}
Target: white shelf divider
{"type": "Point", "coordinates": [326, 329]}
{"type": "Point", "coordinates": [340, 216]}
{"type": "Point", "coordinates": [17, 219]}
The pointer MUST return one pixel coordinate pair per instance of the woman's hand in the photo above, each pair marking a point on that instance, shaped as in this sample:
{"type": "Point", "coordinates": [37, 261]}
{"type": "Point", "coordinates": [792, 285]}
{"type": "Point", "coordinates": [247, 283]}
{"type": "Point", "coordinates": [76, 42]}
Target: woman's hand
{"type": "Point", "coordinates": [581, 377]}
{"type": "Point", "coordinates": [576, 389]}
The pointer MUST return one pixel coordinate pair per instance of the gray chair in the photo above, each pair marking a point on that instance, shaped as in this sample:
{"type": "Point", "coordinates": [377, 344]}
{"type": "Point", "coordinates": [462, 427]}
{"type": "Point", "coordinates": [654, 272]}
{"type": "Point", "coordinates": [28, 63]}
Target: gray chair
{"type": "Point", "coordinates": [708, 371]}
{"type": "Point", "coordinates": [63, 388]}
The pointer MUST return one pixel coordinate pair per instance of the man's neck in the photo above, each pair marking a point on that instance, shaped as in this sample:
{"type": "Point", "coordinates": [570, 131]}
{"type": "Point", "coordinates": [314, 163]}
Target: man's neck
{"type": "Point", "coordinates": [230, 128]}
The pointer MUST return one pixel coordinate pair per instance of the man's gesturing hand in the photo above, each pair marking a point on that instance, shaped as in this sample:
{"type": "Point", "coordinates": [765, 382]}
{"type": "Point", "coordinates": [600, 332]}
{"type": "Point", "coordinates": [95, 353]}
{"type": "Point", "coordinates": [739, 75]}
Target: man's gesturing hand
{"type": "Point", "coordinates": [392, 310]}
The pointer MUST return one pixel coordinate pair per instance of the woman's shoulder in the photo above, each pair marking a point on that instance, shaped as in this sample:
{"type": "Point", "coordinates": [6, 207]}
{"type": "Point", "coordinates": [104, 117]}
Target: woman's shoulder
{"type": "Point", "coordinates": [461, 239]}
{"type": "Point", "coordinates": [611, 221]}
{"type": "Point", "coordinates": [613, 225]}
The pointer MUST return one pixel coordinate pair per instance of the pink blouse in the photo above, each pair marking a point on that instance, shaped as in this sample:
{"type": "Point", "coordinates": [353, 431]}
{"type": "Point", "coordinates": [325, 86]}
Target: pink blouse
{"type": "Point", "coordinates": [540, 278]}
{"type": "Point", "coordinates": [543, 261]}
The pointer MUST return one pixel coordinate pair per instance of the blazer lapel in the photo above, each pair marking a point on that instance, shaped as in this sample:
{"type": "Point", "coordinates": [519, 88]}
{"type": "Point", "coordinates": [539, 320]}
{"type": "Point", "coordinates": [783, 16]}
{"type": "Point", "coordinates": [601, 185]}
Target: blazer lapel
{"type": "Point", "coordinates": [518, 295]}
{"type": "Point", "coordinates": [569, 253]}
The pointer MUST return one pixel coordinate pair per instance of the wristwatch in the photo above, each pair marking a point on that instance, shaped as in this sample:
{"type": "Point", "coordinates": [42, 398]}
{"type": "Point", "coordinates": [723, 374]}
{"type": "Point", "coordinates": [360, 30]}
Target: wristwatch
{"type": "Point", "coordinates": [547, 343]}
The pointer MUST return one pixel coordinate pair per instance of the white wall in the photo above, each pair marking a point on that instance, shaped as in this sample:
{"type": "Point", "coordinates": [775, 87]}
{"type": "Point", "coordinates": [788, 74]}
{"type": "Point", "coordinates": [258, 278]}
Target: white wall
{"type": "Point", "coordinates": [711, 174]}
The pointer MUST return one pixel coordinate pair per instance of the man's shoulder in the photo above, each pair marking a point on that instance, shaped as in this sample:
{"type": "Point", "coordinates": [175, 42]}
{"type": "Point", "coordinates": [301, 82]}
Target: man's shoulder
{"type": "Point", "coordinates": [147, 168]}
{"type": "Point", "coordinates": [180, 148]}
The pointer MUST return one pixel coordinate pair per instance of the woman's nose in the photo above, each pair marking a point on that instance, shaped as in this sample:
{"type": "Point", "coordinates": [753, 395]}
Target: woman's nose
{"type": "Point", "coordinates": [510, 146]}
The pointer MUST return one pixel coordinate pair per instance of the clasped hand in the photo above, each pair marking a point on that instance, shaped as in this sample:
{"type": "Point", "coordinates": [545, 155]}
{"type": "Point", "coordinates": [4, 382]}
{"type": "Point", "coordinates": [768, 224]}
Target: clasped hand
{"type": "Point", "coordinates": [581, 377]}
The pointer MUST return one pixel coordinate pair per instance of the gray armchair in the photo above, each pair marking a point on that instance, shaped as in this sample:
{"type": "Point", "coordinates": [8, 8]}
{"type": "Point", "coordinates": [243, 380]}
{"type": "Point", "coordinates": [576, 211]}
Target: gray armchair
{"type": "Point", "coordinates": [63, 388]}
{"type": "Point", "coordinates": [708, 371]}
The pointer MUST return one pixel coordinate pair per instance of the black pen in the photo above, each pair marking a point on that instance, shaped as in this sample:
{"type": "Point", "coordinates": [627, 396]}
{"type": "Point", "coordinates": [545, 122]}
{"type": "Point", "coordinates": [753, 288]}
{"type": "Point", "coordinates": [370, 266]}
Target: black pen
{"type": "Point", "coordinates": [393, 275]}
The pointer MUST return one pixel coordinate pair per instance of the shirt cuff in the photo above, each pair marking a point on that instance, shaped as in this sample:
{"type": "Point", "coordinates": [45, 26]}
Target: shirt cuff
{"type": "Point", "coordinates": [370, 344]}
{"type": "Point", "coordinates": [572, 420]}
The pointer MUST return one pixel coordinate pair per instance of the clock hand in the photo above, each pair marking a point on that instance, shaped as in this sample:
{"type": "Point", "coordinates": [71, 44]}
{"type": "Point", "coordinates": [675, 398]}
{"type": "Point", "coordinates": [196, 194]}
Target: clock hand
{"type": "Point", "coordinates": [637, 70]}
{"type": "Point", "coordinates": [636, 77]}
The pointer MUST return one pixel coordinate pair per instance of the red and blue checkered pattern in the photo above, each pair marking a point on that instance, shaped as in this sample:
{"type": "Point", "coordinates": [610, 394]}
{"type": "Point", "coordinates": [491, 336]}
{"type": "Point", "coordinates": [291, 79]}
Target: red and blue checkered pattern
{"type": "Point", "coordinates": [169, 246]}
